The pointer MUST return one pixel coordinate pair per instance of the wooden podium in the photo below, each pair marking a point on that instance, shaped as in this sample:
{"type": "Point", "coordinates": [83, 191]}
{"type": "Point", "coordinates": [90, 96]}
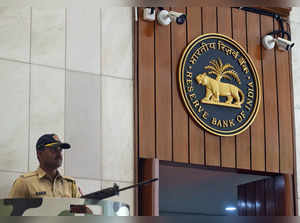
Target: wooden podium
{"type": "Point", "coordinates": [62, 207]}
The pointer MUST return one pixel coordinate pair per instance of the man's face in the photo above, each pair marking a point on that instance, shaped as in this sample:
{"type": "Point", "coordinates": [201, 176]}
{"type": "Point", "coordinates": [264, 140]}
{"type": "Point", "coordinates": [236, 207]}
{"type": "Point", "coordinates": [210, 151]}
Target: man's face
{"type": "Point", "coordinates": [51, 157]}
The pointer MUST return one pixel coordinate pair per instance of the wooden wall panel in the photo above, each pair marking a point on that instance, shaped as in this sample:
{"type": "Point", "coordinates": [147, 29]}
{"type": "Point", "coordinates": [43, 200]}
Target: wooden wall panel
{"type": "Point", "coordinates": [269, 197]}
{"type": "Point", "coordinates": [270, 101]}
{"type": "Point", "coordinates": [212, 142]}
{"type": "Point", "coordinates": [180, 115]}
{"type": "Point", "coordinates": [163, 94]}
{"type": "Point", "coordinates": [146, 89]}
{"type": "Point", "coordinates": [196, 134]}
{"type": "Point", "coordinates": [165, 128]}
{"type": "Point", "coordinates": [257, 127]}
{"type": "Point", "coordinates": [242, 140]}
{"type": "Point", "coordinates": [149, 193]}
{"type": "Point", "coordinates": [227, 143]}
{"type": "Point", "coordinates": [284, 110]}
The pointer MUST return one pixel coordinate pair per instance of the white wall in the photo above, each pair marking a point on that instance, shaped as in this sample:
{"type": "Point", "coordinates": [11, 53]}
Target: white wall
{"type": "Point", "coordinates": [295, 35]}
{"type": "Point", "coordinates": [68, 71]}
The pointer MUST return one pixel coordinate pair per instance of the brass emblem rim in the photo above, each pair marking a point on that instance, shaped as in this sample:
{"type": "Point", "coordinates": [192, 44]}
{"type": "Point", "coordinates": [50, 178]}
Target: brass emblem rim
{"type": "Point", "coordinates": [255, 76]}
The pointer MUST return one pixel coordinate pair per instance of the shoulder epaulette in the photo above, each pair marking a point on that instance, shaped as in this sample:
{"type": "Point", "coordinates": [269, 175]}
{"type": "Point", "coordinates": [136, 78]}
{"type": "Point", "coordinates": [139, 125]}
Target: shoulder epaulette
{"type": "Point", "coordinates": [30, 174]}
{"type": "Point", "coordinates": [69, 178]}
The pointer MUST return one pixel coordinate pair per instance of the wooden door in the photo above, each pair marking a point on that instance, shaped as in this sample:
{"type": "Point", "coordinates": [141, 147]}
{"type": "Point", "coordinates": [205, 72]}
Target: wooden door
{"type": "Point", "coordinates": [270, 197]}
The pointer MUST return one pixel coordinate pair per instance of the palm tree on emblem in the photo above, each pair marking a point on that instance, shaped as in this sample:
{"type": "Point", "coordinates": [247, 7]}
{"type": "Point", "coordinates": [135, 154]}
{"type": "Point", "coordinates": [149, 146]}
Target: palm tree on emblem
{"type": "Point", "coordinates": [221, 70]}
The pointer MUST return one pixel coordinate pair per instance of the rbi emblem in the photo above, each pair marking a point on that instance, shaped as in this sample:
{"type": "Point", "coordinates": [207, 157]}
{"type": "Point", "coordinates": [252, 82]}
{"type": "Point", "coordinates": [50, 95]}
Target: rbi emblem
{"type": "Point", "coordinates": [219, 84]}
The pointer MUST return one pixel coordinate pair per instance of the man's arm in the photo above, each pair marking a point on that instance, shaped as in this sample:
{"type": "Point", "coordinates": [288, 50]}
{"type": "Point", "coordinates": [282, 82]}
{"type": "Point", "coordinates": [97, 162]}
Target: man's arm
{"type": "Point", "coordinates": [19, 189]}
{"type": "Point", "coordinates": [76, 192]}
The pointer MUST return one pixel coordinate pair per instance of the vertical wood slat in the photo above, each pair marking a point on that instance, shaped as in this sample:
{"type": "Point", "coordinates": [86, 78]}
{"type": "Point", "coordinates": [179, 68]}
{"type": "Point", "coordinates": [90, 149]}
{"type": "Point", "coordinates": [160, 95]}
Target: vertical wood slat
{"type": "Point", "coordinates": [180, 115]}
{"type": "Point", "coordinates": [270, 101]}
{"type": "Point", "coordinates": [146, 88]}
{"type": "Point", "coordinates": [251, 198]}
{"type": "Point", "coordinates": [243, 147]}
{"type": "Point", "coordinates": [163, 92]}
{"type": "Point", "coordinates": [150, 192]}
{"type": "Point", "coordinates": [212, 142]}
{"type": "Point", "coordinates": [257, 127]}
{"type": "Point", "coordinates": [227, 143]}
{"type": "Point", "coordinates": [196, 133]}
{"type": "Point", "coordinates": [260, 207]}
{"type": "Point", "coordinates": [284, 110]}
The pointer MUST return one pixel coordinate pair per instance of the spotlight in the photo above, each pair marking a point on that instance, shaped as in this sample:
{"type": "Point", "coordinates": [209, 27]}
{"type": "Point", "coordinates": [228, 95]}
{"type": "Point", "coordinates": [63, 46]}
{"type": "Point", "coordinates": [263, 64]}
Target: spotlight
{"type": "Point", "coordinates": [165, 17]}
{"type": "Point", "coordinates": [269, 43]}
{"type": "Point", "coordinates": [284, 44]}
{"type": "Point", "coordinates": [149, 14]}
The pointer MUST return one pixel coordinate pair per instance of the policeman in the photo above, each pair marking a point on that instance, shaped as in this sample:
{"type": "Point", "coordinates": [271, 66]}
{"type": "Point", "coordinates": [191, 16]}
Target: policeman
{"type": "Point", "coordinates": [46, 181]}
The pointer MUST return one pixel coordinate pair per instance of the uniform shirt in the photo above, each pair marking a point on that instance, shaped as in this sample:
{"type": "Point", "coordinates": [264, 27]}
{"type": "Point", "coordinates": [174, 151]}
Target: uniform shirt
{"type": "Point", "coordinates": [39, 184]}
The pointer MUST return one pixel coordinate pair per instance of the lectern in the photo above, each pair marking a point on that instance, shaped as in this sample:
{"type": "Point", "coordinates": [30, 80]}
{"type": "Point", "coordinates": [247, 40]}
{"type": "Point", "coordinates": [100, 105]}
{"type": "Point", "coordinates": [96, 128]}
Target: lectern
{"type": "Point", "coordinates": [62, 207]}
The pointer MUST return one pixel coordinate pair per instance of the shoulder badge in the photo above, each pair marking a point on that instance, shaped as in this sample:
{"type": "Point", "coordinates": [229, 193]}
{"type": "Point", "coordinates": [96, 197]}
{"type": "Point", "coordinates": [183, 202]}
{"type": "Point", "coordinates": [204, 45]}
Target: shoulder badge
{"type": "Point", "coordinates": [40, 193]}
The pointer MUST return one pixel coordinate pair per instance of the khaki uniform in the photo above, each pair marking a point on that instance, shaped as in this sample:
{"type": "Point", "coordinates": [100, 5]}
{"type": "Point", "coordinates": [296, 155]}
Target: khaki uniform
{"type": "Point", "coordinates": [39, 184]}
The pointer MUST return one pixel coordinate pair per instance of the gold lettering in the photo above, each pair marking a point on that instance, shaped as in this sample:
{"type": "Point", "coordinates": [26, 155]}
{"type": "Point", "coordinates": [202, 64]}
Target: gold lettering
{"type": "Point", "coordinates": [212, 45]}
{"type": "Point", "coordinates": [239, 118]}
{"type": "Point", "coordinates": [222, 123]}
{"type": "Point", "coordinates": [196, 103]}
{"type": "Point", "coordinates": [243, 114]}
{"type": "Point", "coordinates": [250, 94]}
{"type": "Point", "coordinates": [205, 115]}
{"type": "Point", "coordinates": [198, 52]}
{"type": "Point", "coordinates": [249, 102]}
{"type": "Point", "coordinates": [190, 89]}
{"type": "Point", "coordinates": [250, 90]}
{"type": "Point", "coordinates": [235, 54]}
{"type": "Point", "coordinates": [221, 45]}
{"type": "Point", "coordinates": [200, 109]}
{"type": "Point", "coordinates": [189, 81]}
{"type": "Point", "coordinates": [219, 123]}
{"type": "Point", "coordinates": [204, 47]}
{"type": "Point", "coordinates": [225, 123]}
{"type": "Point", "coordinates": [228, 51]}
{"type": "Point", "coordinates": [248, 108]}
{"type": "Point", "coordinates": [192, 96]}
{"type": "Point", "coordinates": [193, 60]}
{"type": "Point", "coordinates": [245, 69]}
{"type": "Point", "coordinates": [242, 61]}
{"type": "Point", "coordinates": [214, 121]}
{"type": "Point", "coordinates": [189, 74]}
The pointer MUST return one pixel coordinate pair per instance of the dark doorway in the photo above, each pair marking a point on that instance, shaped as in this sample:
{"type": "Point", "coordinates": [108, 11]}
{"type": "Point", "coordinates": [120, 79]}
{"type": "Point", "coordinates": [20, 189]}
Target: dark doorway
{"type": "Point", "coordinates": [195, 191]}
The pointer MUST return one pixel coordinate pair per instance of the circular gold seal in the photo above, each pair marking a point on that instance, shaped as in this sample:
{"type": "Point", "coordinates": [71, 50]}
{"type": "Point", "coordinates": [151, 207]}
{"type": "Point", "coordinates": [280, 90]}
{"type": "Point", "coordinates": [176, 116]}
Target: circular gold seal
{"type": "Point", "coordinates": [219, 84]}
